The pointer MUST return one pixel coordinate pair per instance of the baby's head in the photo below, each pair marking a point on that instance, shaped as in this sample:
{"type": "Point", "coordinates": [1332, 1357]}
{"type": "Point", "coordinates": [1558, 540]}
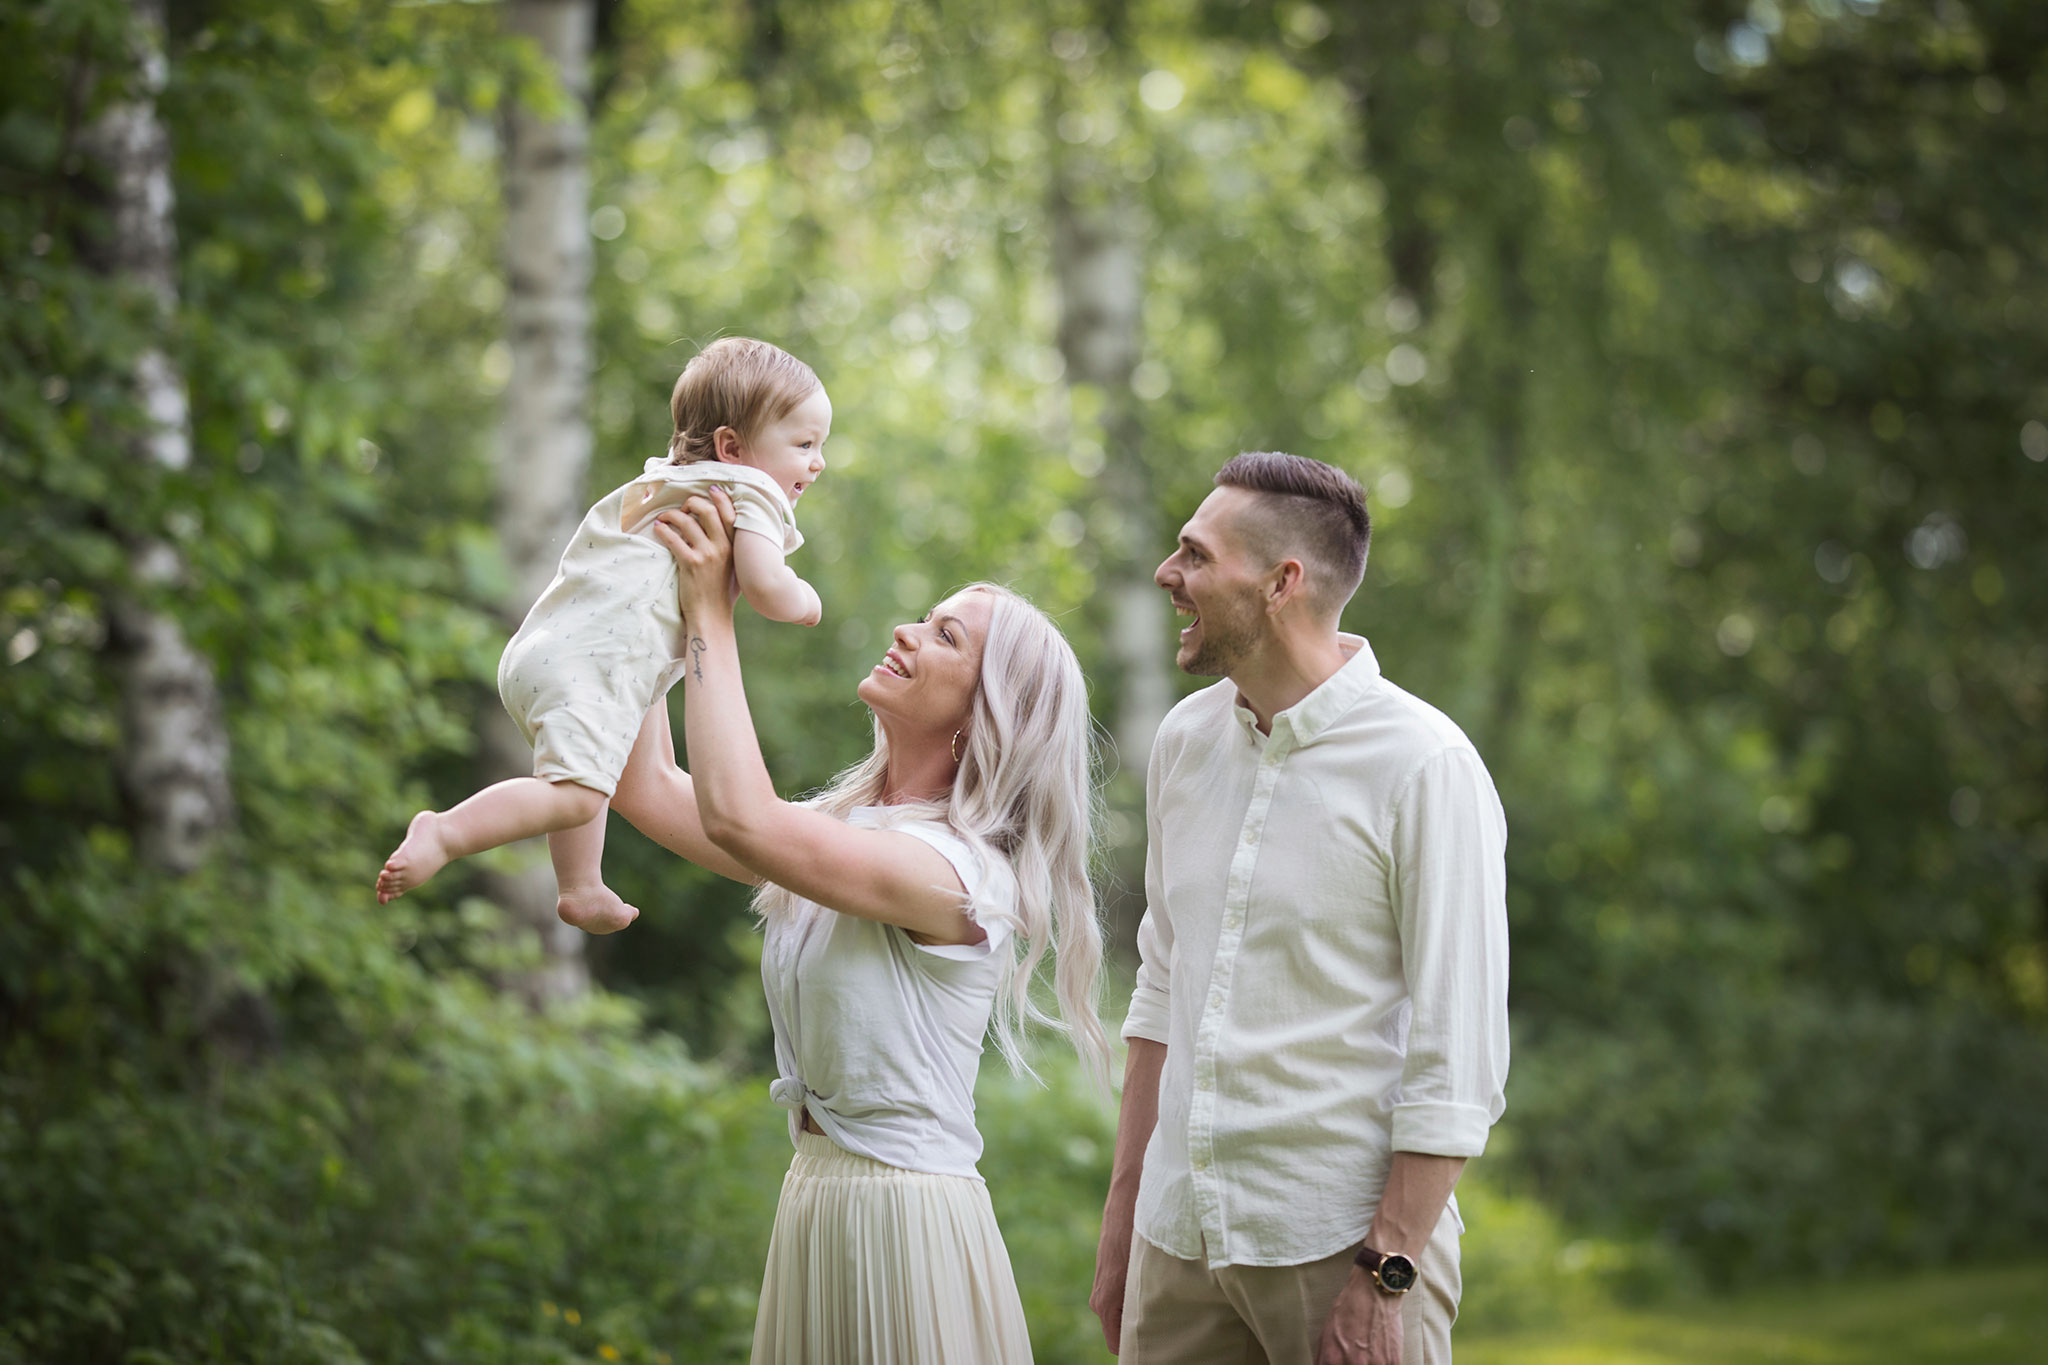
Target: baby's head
{"type": "Point", "coordinates": [747, 402]}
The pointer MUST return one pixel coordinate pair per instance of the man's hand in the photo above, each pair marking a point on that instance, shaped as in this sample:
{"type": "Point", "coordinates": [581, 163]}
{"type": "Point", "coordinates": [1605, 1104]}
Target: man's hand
{"type": "Point", "coordinates": [1365, 1323]}
{"type": "Point", "coordinates": [1364, 1326]}
{"type": "Point", "coordinates": [1136, 1115]}
{"type": "Point", "coordinates": [1112, 1267]}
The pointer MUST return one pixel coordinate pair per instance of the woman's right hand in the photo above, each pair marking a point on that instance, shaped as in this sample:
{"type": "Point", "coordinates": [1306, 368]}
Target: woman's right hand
{"type": "Point", "coordinates": [699, 537]}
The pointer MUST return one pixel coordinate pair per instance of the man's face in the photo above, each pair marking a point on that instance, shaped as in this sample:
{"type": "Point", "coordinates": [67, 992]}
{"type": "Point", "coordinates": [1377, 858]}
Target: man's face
{"type": "Point", "coordinates": [1214, 578]}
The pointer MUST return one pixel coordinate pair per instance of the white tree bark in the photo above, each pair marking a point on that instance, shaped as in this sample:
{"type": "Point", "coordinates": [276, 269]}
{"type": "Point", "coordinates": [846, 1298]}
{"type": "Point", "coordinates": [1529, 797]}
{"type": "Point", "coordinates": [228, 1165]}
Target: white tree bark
{"type": "Point", "coordinates": [1101, 287]}
{"type": "Point", "coordinates": [548, 265]}
{"type": "Point", "coordinates": [174, 759]}
{"type": "Point", "coordinates": [1100, 270]}
{"type": "Point", "coordinates": [547, 436]}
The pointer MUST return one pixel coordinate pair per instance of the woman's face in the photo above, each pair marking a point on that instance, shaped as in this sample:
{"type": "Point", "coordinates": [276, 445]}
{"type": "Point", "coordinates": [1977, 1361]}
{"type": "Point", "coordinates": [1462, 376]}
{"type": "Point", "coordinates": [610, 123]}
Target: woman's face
{"type": "Point", "coordinates": [927, 678]}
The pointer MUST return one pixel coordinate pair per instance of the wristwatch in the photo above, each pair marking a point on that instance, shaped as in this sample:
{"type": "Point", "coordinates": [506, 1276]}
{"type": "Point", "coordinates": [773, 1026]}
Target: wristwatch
{"type": "Point", "coordinates": [1390, 1270]}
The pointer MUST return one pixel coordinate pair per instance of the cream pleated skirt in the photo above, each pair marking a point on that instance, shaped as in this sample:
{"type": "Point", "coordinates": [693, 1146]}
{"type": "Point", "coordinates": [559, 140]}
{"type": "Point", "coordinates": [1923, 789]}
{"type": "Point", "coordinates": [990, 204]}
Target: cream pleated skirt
{"type": "Point", "coordinates": [874, 1265]}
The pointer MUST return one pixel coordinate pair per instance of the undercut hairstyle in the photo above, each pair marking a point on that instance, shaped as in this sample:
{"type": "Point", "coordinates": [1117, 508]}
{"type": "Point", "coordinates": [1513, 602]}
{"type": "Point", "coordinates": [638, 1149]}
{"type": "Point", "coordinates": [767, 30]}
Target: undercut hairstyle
{"type": "Point", "coordinates": [735, 382]}
{"type": "Point", "coordinates": [1311, 511]}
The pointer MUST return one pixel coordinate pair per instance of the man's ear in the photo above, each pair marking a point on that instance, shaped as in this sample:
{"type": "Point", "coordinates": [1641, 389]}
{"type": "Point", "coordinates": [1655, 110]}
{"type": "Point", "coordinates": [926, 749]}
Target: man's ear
{"type": "Point", "coordinates": [725, 443]}
{"type": "Point", "coordinates": [1285, 583]}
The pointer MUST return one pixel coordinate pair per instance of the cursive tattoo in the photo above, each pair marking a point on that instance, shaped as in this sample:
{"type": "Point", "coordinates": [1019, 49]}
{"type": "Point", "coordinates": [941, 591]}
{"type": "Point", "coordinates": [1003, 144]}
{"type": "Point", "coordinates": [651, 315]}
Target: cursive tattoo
{"type": "Point", "coordinates": [697, 657]}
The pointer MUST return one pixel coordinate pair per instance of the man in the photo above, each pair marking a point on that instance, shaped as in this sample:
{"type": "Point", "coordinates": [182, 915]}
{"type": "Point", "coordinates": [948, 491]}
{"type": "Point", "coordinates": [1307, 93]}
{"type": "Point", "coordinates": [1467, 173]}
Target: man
{"type": "Point", "coordinates": [1318, 1036]}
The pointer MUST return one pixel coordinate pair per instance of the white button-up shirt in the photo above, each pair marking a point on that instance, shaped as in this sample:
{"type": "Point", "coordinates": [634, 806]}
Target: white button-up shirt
{"type": "Point", "coordinates": [1324, 953]}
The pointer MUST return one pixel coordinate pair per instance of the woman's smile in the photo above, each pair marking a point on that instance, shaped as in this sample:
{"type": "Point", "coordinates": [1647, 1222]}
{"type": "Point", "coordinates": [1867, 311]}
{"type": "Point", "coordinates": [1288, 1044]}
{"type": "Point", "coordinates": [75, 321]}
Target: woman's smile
{"type": "Point", "coordinates": [938, 660]}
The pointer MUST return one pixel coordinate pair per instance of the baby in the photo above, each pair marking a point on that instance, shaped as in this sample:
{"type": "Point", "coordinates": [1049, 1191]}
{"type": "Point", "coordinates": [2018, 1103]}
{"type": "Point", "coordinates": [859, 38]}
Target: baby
{"type": "Point", "coordinates": [604, 642]}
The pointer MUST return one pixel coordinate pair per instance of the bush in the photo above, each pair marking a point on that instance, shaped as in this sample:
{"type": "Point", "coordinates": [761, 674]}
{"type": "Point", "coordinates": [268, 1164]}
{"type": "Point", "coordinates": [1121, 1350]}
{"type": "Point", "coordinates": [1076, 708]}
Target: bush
{"type": "Point", "coordinates": [1046, 1159]}
{"type": "Point", "coordinates": [1801, 1136]}
{"type": "Point", "coordinates": [472, 1183]}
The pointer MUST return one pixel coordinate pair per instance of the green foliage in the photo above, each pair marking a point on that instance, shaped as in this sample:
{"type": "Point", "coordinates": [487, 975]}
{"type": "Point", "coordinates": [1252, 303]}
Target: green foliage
{"type": "Point", "coordinates": [1806, 1134]}
{"type": "Point", "coordinates": [1693, 357]}
{"type": "Point", "coordinates": [1046, 1159]}
{"type": "Point", "coordinates": [467, 1183]}
{"type": "Point", "coordinates": [1525, 1269]}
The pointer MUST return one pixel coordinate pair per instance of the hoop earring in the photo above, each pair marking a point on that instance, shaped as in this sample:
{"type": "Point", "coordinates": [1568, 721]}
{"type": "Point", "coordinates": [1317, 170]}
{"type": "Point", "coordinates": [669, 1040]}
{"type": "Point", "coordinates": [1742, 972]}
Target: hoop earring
{"type": "Point", "coordinates": [956, 746]}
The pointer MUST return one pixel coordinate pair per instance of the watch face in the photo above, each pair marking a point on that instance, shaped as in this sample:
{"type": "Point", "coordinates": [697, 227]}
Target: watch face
{"type": "Point", "coordinates": [1397, 1273]}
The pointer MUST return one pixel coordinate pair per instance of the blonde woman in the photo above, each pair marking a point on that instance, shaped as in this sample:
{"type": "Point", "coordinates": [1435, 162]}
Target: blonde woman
{"type": "Point", "coordinates": [906, 908]}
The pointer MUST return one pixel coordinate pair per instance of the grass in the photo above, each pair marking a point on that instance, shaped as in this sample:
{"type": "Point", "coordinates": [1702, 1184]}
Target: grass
{"type": "Point", "coordinates": [1987, 1316]}
{"type": "Point", "coordinates": [1990, 1316]}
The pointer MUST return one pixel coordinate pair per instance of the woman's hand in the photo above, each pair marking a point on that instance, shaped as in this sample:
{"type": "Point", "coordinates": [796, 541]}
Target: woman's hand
{"type": "Point", "coordinates": [699, 536]}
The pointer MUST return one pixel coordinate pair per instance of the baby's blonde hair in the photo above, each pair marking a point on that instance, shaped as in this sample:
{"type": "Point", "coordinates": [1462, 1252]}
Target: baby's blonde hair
{"type": "Point", "coordinates": [735, 382]}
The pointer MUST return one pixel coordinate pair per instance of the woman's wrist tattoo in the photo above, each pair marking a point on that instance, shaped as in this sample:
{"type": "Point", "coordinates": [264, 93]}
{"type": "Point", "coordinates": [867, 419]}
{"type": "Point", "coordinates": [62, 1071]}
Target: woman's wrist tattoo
{"type": "Point", "coordinates": [697, 648]}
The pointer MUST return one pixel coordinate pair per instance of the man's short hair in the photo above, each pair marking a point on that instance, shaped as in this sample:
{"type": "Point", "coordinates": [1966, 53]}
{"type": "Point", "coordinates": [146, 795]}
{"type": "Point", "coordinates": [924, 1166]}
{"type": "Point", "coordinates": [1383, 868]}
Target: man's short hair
{"type": "Point", "coordinates": [1319, 517]}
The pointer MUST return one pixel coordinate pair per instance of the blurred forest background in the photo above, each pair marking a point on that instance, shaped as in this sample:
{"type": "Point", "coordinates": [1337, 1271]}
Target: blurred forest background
{"type": "Point", "coordinates": [1695, 355]}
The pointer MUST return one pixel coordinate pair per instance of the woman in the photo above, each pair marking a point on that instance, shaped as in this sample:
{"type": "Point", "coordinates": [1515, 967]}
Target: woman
{"type": "Point", "coordinates": [904, 906]}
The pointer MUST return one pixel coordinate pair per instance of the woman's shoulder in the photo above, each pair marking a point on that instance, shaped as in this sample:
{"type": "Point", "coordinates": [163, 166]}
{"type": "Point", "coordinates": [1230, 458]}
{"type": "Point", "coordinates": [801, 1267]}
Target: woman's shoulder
{"type": "Point", "coordinates": [983, 870]}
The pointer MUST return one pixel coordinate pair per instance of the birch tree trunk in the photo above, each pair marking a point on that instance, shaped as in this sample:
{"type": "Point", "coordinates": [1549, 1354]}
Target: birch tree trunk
{"type": "Point", "coordinates": [174, 751]}
{"type": "Point", "coordinates": [1101, 282]}
{"type": "Point", "coordinates": [547, 436]}
{"type": "Point", "coordinates": [1100, 270]}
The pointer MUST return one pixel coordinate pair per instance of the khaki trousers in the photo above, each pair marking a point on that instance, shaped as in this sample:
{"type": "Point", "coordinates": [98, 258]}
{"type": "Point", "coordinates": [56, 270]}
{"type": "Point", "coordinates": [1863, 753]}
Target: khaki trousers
{"type": "Point", "coordinates": [1187, 1313]}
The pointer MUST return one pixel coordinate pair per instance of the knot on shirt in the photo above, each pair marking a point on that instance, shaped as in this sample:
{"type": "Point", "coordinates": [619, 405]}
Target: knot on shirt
{"type": "Point", "coordinates": [788, 1092]}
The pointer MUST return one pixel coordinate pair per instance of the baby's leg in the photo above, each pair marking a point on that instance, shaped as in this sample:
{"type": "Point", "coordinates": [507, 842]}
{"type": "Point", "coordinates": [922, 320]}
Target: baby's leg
{"type": "Point", "coordinates": [583, 899]}
{"type": "Point", "coordinates": [518, 808]}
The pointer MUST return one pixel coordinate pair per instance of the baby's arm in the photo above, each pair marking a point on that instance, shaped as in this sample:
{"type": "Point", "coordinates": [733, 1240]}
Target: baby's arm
{"type": "Point", "coordinates": [770, 586]}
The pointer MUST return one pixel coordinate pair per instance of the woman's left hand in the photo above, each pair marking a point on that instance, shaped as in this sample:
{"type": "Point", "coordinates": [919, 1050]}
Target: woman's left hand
{"type": "Point", "coordinates": [699, 536]}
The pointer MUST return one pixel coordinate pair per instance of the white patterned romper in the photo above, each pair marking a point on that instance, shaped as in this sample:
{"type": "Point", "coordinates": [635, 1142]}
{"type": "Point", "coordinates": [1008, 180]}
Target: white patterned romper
{"type": "Point", "coordinates": [605, 640]}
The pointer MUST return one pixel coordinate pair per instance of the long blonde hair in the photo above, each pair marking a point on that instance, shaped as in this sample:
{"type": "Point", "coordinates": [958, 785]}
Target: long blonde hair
{"type": "Point", "coordinates": [1024, 796]}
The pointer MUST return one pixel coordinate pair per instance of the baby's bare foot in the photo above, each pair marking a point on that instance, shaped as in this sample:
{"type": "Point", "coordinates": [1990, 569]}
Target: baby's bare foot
{"type": "Point", "coordinates": [595, 909]}
{"type": "Point", "coordinates": [417, 859]}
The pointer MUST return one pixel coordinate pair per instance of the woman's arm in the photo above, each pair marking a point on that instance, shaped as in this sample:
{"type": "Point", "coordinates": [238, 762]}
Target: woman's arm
{"type": "Point", "coordinates": [881, 875]}
{"type": "Point", "coordinates": [659, 800]}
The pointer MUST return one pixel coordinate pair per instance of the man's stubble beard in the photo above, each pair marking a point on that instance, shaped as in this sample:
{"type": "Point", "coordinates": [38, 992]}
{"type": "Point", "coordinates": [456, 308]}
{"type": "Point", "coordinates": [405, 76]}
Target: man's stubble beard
{"type": "Point", "coordinates": [1225, 642]}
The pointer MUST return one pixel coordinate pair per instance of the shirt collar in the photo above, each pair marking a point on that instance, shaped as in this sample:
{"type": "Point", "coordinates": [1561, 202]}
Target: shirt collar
{"type": "Point", "coordinates": [1335, 695]}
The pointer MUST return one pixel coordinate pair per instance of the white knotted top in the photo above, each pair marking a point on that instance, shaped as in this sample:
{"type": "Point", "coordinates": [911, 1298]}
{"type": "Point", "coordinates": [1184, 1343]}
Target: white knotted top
{"type": "Point", "coordinates": [878, 1036]}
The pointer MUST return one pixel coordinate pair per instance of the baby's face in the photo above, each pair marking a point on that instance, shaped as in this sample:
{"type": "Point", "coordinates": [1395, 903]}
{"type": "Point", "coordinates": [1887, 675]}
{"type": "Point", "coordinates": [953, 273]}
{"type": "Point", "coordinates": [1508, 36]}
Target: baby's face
{"type": "Point", "coordinates": [792, 451]}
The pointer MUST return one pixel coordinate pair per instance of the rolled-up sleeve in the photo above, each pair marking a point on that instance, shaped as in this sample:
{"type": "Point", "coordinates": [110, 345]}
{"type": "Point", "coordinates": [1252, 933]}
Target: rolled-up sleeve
{"type": "Point", "coordinates": [1450, 896]}
{"type": "Point", "coordinates": [1151, 996]}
